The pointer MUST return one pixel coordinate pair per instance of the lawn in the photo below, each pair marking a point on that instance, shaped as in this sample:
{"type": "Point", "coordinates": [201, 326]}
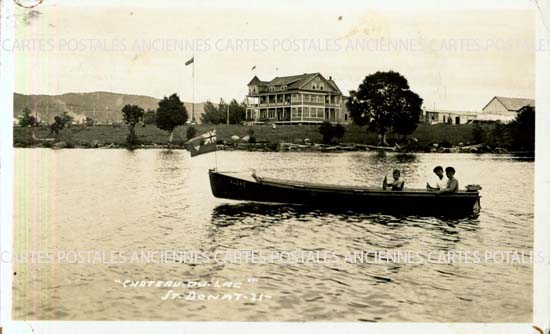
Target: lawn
{"type": "Point", "coordinates": [104, 135]}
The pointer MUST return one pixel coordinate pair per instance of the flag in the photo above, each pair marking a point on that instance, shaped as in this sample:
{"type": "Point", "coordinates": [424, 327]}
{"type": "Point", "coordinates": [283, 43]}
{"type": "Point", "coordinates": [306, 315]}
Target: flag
{"type": "Point", "coordinates": [253, 68]}
{"type": "Point", "coordinates": [204, 143]}
{"type": "Point", "coordinates": [190, 61]}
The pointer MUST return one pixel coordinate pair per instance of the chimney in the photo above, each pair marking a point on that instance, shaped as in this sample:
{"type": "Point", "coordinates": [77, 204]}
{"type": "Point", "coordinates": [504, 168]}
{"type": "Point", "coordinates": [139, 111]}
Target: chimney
{"type": "Point", "coordinates": [330, 77]}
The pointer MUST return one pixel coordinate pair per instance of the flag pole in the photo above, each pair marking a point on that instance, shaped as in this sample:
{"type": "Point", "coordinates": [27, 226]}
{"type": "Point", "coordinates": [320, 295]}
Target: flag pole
{"type": "Point", "coordinates": [193, 98]}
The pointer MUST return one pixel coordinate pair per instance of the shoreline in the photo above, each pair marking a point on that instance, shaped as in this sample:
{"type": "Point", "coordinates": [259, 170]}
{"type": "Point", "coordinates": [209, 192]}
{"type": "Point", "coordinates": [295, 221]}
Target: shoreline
{"type": "Point", "coordinates": [290, 147]}
{"type": "Point", "coordinates": [441, 138]}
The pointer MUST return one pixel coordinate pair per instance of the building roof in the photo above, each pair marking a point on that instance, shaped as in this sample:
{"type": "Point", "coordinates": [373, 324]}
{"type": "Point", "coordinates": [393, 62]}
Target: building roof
{"type": "Point", "coordinates": [512, 103]}
{"type": "Point", "coordinates": [292, 81]}
{"type": "Point", "coordinates": [257, 82]}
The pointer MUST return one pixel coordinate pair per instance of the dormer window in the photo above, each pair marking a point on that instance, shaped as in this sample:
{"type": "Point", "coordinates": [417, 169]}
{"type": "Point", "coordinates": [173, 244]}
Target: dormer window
{"type": "Point", "coordinates": [321, 87]}
{"type": "Point", "coordinates": [283, 87]}
{"type": "Point", "coordinates": [271, 89]}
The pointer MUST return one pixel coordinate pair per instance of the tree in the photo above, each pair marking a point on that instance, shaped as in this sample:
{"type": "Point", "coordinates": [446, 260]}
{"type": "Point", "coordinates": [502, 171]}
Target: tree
{"type": "Point", "coordinates": [131, 116]}
{"type": "Point", "coordinates": [171, 113]}
{"type": "Point", "coordinates": [89, 121]}
{"type": "Point", "coordinates": [385, 102]}
{"type": "Point", "coordinates": [237, 112]}
{"type": "Point", "coordinates": [522, 129]}
{"type": "Point", "coordinates": [218, 114]}
{"type": "Point", "coordinates": [150, 117]}
{"type": "Point", "coordinates": [28, 119]}
{"type": "Point", "coordinates": [406, 119]}
{"type": "Point", "coordinates": [499, 136]}
{"type": "Point", "coordinates": [212, 114]}
{"type": "Point", "coordinates": [59, 123]}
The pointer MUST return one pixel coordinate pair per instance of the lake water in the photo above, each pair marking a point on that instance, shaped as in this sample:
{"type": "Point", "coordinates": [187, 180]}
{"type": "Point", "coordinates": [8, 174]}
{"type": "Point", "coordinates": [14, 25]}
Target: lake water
{"type": "Point", "coordinates": [153, 200]}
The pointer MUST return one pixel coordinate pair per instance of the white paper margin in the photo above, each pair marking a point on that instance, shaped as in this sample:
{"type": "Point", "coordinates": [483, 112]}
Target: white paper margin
{"type": "Point", "coordinates": [541, 277]}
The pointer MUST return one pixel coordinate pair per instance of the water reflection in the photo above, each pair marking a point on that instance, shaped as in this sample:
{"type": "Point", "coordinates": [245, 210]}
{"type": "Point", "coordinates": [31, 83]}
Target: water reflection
{"type": "Point", "coordinates": [406, 157]}
{"type": "Point", "coordinates": [231, 214]}
{"type": "Point", "coordinates": [160, 200]}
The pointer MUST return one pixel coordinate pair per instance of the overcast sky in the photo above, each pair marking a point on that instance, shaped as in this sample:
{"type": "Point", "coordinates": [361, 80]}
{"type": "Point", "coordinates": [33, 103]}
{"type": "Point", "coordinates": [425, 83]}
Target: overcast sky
{"type": "Point", "coordinates": [454, 60]}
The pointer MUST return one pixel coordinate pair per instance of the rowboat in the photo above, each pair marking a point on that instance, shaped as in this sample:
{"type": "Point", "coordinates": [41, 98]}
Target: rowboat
{"type": "Point", "coordinates": [408, 201]}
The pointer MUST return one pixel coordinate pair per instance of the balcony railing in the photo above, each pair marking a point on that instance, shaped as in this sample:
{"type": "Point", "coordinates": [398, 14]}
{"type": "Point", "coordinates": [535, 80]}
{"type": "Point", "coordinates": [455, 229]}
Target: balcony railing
{"type": "Point", "coordinates": [274, 104]}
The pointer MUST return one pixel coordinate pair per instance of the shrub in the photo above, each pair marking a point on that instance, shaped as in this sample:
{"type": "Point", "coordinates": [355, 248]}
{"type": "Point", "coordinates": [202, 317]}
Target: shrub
{"type": "Point", "coordinates": [252, 137]}
{"type": "Point", "coordinates": [191, 132]}
{"type": "Point", "coordinates": [327, 131]}
{"type": "Point", "coordinates": [478, 134]}
{"type": "Point", "coordinates": [339, 131]}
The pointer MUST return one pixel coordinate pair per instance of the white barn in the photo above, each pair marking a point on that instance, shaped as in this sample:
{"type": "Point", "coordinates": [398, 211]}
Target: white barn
{"type": "Point", "coordinates": [503, 109]}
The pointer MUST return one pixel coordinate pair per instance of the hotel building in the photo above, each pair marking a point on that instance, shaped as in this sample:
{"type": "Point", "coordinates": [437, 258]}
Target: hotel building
{"type": "Point", "coordinates": [307, 98]}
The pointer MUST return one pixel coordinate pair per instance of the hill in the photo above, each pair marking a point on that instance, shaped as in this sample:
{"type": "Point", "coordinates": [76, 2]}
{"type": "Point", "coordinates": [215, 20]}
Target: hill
{"type": "Point", "coordinates": [103, 107]}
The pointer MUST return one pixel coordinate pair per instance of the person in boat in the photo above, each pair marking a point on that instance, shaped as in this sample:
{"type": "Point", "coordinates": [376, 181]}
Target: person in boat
{"type": "Point", "coordinates": [441, 180]}
{"type": "Point", "coordinates": [452, 185]}
{"type": "Point", "coordinates": [397, 183]}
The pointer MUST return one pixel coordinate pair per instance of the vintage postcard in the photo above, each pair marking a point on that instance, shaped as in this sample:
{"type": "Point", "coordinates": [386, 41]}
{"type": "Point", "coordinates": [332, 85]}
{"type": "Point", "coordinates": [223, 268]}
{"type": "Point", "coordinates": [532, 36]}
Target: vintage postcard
{"type": "Point", "coordinates": [299, 166]}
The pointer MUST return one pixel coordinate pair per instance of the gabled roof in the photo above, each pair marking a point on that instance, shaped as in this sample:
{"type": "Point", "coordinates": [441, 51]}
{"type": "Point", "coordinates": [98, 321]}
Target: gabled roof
{"type": "Point", "coordinates": [293, 81]}
{"type": "Point", "coordinates": [333, 84]}
{"type": "Point", "coordinates": [257, 82]}
{"type": "Point", "coordinates": [512, 103]}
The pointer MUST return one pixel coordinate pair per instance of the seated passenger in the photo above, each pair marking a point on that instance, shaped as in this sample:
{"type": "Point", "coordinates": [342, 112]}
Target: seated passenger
{"type": "Point", "coordinates": [452, 185]}
{"type": "Point", "coordinates": [396, 184]}
{"type": "Point", "coordinates": [441, 180]}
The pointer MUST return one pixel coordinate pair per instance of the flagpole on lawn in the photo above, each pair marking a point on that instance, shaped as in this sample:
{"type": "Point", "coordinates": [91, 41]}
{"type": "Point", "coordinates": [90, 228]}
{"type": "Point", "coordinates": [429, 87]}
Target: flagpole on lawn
{"type": "Point", "coordinates": [193, 98]}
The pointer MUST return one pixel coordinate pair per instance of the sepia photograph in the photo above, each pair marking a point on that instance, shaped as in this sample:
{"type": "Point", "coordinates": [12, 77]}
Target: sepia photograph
{"type": "Point", "coordinates": [282, 162]}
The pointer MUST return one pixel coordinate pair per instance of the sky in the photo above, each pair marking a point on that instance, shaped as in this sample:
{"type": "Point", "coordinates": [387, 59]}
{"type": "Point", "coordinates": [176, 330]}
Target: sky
{"type": "Point", "coordinates": [454, 59]}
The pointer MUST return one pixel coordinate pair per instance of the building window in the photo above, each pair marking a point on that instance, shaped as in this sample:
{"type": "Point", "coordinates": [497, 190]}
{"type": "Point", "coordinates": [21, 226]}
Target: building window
{"type": "Point", "coordinates": [271, 89]}
{"type": "Point", "coordinates": [322, 87]}
{"type": "Point", "coordinates": [346, 117]}
{"type": "Point", "coordinates": [283, 87]}
{"type": "Point", "coordinates": [313, 86]}
{"type": "Point", "coordinates": [296, 113]}
{"type": "Point", "coordinates": [271, 113]}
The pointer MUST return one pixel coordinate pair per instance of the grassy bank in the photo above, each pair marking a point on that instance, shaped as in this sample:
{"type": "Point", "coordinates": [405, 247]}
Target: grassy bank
{"type": "Point", "coordinates": [82, 136]}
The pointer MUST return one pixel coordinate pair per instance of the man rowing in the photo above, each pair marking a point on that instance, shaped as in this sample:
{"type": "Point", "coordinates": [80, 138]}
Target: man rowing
{"type": "Point", "coordinates": [397, 183]}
